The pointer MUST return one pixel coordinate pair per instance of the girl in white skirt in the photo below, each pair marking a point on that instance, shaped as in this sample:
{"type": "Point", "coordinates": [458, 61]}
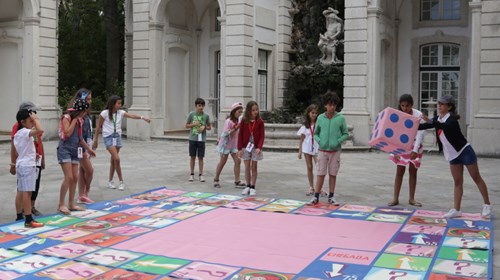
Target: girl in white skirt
{"type": "Point", "coordinates": [412, 159]}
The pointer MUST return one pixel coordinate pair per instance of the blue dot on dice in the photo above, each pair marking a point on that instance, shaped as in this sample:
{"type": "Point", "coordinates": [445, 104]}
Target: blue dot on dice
{"type": "Point", "coordinates": [394, 118]}
{"type": "Point", "coordinates": [389, 133]}
{"type": "Point", "coordinates": [408, 124]}
{"type": "Point", "coordinates": [404, 138]}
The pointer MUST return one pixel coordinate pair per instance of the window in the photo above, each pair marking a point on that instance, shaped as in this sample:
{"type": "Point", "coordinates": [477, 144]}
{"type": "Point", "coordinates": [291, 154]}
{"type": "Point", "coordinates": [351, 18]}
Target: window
{"type": "Point", "coordinates": [440, 10]}
{"type": "Point", "coordinates": [439, 73]}
{"type": "Point", "coordinates": [262, 79]}
{"type": "Point", "coordinates": [217, 23]}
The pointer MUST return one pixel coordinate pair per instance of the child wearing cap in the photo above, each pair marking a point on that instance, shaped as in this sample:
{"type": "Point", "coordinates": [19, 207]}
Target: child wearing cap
{"type": "Point", "coordinates": [458, 152]}
{"type": "Point", "coordinates": [29, 126]}
{"type": "Point", "coordinates": [228, 145]}
{"type": "Point", "coordinates": [40, 158]}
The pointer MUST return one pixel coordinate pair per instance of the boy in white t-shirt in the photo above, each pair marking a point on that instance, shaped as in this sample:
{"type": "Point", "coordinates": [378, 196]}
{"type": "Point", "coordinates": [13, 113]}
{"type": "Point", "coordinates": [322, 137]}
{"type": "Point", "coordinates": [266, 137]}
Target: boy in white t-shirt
{"type": "Point", "coordinates": [26, 163]}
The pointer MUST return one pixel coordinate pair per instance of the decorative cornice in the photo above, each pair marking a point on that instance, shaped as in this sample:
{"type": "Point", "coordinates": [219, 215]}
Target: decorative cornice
{"type": "Point", "coordinates": [156, 25]}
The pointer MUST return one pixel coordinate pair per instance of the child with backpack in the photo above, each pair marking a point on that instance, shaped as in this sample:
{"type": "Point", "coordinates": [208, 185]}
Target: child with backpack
{"type": "Point", "coordinates": [69, 153]}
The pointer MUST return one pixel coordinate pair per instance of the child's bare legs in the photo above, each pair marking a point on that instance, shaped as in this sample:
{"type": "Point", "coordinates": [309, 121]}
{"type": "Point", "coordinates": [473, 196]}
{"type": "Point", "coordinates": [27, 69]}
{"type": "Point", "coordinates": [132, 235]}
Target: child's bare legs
{"type": "Point", "coordinates": [457, 171]}
{"type": "Point", "coordinates": [412, 181]}
{"type": "Point", "coordinates": [398, 181]}
{"type": "Point", "coordinates": [332, 183]}
{"type": "Point", "coordinates": [481, 185]}
{"type": "Point", "coordinates": [200, 165]}
{"type": "Point", "coordinates": [26, 197]}
{"type": "Point", "coordinates": [309, 166]}
{"type": "Point", "coordinates": [220, 166]}
{"type": "Point", "coordinates": [248, 177]}
{"type": "Point", "coordinates": [254, 172]}
{"type": "Point", "coordinates": [236, 168]}
{"type": "Point", "coordinates": [19, 202]}
{"type": "Point", "coordinates": [85, 176]}
{"type": "Point", "coordinates": [115, 163]}
{"type": "Point", "coordinates": [320, 179]}
{"type": "Point", "coordinates": [70, 172]}
{"type": "Point", "coordinates": [191, 164]}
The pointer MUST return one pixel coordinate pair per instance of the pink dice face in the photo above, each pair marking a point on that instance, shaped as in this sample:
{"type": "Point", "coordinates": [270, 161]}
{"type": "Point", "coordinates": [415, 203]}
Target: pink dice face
{"type": "Point", "coordinates": [394, 131]}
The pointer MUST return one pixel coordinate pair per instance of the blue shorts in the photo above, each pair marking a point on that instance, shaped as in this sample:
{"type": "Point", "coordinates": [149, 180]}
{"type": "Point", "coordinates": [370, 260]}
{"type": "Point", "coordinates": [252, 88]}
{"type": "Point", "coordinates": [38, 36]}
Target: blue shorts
{"type": "Point", "coordinates": [196, 148]}
{"type": "Point", "coordinates": [466, 157]}
{"type": "Point", "coordinates": [66, 153]}
{"type": "Point", "coordinates": [108, 140]}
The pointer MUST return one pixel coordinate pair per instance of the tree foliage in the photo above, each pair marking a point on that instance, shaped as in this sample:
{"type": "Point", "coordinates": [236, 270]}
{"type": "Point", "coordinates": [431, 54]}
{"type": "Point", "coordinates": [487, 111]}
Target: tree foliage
{"type": "Point", "coordinates": [82, 50]}
{"type": "Point", "coordinates": [309, 79]}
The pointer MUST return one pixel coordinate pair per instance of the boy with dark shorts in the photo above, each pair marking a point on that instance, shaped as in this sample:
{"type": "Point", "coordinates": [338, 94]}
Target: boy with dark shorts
{"type": "Point", "coordinates": [198, 123]}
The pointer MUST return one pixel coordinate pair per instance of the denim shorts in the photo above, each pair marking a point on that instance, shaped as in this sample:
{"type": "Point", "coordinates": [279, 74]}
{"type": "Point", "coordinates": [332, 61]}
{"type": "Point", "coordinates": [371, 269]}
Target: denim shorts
{"type": "Point", "coordinates": [67, 154]}
{"type": "Point", "coordinates": [466, 157]}
{"type": "Point", "coordinates": [108, 140]}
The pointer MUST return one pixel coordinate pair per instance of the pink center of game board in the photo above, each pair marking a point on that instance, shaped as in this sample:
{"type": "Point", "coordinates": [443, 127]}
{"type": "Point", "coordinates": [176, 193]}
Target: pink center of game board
{"type": "Point", "coordinates": [261, 240]}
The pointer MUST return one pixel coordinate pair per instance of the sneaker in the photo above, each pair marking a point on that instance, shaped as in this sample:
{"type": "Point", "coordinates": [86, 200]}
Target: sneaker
{"type": "Point", "coordinates": [191, 178]}
{"type": "Point", "coordinates": [84, 199]}
{"type": "Point", "coordinates": [332, 201]}
{"type": "Point", "coordinates": [111, 185]}
{"type": "Point", "coordinates": [252, 192]}
{"type": "Point", "coordinates": [33, 224]}
{"type": "Point", "coordinates": [35, 212]}
{"type": "Point", "coordinates": [202, 179]}
{"type": "Point", "coordinates": [453, 213]}
{"type": "Point", "coordinates": [246, 191]}
{"type": "Point", "coordinates": [121, 186]}
{"type": "Point", "coordinates": [486, 211]}
{"type": "Point", "coordinates": [314, 200]}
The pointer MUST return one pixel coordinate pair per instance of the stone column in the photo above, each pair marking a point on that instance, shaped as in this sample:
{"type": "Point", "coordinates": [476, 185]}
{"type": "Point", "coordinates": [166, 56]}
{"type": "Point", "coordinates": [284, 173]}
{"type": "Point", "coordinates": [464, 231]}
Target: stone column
{"type": "Point", "coordinates": [282, 48]}
{"type": "Point", "coordinates": [238, 53]}
{"type": "Point", "coordinates": [355, 77]}
{"type": "Point", "coordinates": [144, 68]}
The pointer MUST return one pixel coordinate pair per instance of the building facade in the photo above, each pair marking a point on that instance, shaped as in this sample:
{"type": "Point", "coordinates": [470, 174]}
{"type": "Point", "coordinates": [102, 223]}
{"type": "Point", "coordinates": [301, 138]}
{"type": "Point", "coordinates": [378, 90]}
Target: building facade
{"type": "Point", "coordinates": [228, 51]}
{"type": "Point", "coordinates": [28, 60]}
{"type": "Point", "coordinates": [223, 51]}
{"type": "Point", "coordinates": [427, 48]}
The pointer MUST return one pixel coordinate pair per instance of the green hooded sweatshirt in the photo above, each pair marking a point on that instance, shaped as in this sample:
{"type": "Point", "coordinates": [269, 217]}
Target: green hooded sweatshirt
{"type": "Point", "coordinates": [330, 133]}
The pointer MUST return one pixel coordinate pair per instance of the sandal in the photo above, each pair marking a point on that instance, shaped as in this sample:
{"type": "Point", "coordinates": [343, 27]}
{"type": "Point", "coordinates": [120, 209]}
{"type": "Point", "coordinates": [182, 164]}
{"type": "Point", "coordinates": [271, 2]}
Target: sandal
{"type": "Point", "coordinates": [64, 210]}
{"type": "Point", "coordinates": [393, 203]}
{"type": "Point", "coordinates": [310, 192]}
{"type": "Point", "coordinates": [239, 183]}
{"type": "Point", "coordinates": [76, 208]}
{"type": "Point", "coordinates": [415, 203]}
{"type": "Point", "coordinates": [323, 194]}
{"type": "Point", "coordinates": [216, 184]}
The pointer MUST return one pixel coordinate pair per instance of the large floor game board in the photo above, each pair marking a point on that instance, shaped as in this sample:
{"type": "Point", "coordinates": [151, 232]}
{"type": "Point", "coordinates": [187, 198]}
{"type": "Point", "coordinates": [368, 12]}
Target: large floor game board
{"type": "Point", "coordinates": [170, 234]}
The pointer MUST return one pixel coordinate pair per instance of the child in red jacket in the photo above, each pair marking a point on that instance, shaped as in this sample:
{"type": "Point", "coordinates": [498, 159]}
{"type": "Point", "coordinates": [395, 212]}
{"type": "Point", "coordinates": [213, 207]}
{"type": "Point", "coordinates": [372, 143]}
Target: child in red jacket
{"type": "Point", "coordinates": [250, 142]}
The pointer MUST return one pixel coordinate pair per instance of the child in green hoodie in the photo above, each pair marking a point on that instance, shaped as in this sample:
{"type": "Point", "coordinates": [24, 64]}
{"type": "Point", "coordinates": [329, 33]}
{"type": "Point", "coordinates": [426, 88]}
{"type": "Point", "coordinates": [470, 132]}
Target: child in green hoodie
{"type": "Point", "coordinates": [330, 133]}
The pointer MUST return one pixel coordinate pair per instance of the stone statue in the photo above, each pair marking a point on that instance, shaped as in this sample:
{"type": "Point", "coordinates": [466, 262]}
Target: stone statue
{"type": "Point", "coordinates": [328, 41]}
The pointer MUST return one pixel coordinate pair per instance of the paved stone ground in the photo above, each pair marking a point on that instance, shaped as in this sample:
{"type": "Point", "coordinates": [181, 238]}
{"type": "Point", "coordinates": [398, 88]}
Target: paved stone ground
{"type": "Point", "coordinates": [365, 178]}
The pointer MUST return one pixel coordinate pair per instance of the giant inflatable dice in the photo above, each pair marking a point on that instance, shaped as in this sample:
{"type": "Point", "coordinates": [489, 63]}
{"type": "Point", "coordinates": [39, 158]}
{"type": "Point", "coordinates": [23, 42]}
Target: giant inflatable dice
{"type": "Point", "coordinates": [394, 131]}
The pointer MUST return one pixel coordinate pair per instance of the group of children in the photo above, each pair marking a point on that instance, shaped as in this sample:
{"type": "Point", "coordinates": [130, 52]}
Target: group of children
{"type": "Point", "coordinates": [76, 146]}
{"type": "Point", "coordinates": [242, 137]}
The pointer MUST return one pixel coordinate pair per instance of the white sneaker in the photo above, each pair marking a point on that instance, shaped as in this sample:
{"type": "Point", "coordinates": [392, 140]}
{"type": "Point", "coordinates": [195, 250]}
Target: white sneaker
{"type": "Point", "coordinates": [314, 200]}
{"type": "Point", "coordinates": [453, 213]}
{"type": "Point", "coordinates": [253, 192]}
{"type": "Point", "coordinates": [486, 211]}
{"type": "Point", "coordinates": [202, 179]}
{"type": "Point", "coordinates": [246, 191]}
{"type": "Point", "coordinates": [191, 178]}
{"type": "Point", "coordinates": [121, 186]}
{"type": "Point", "coordinates": [111, 185]}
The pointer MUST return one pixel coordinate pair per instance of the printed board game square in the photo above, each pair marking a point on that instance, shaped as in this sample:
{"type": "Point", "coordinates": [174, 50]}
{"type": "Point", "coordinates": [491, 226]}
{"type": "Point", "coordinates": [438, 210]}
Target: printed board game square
{"type": "Point", "coordinates": [204, 271]}
{"type": "Point", "coordinates": [155, 264]}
